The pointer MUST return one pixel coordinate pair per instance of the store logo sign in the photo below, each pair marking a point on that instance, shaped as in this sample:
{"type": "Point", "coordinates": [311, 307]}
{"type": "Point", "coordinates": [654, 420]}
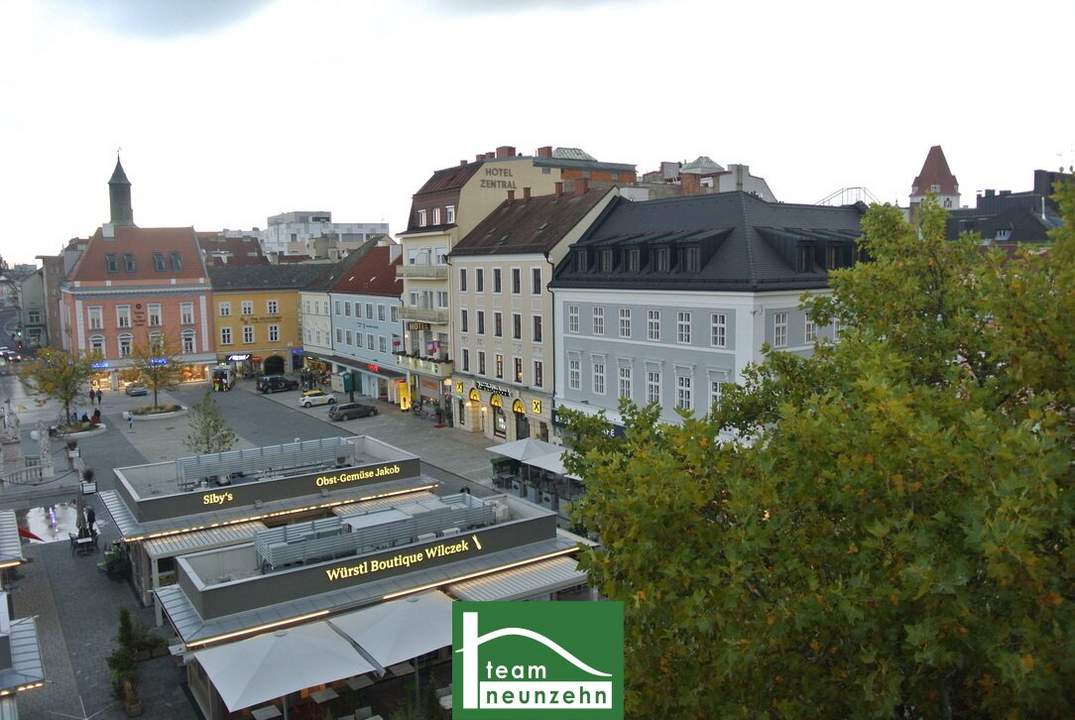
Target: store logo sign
{"type": "Point", "coordinates": [537, 660]}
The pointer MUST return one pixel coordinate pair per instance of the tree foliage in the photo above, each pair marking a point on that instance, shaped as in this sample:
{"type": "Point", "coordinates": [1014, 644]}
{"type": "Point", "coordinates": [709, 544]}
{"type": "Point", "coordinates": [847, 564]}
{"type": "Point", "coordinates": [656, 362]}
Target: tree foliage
{"type": "Point", "coordinates": [894, 536]}
{"type": "Point", "coordinates": [157, 364]}
{"type": "Point", "coordinates": [207, 430]}
{"type": "Point", "coordinates": [59, 375]}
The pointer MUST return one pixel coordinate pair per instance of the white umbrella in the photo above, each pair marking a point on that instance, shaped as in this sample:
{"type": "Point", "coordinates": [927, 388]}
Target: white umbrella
{"type": "Point", "coordinates": [401, 630]}
{"type": "Point", "coordinates": [553, 462]}
{"type": "Point", "coordinates": [523, 450]}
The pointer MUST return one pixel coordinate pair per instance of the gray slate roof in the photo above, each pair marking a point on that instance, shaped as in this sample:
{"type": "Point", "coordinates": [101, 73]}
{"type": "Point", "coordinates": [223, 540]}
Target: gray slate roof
{"type": "Point", "coordinates": [329, 275]}
{"type": "Point", "coordinates": [264, 277]}
{"type": "Point", "coordinates": [750, 245]}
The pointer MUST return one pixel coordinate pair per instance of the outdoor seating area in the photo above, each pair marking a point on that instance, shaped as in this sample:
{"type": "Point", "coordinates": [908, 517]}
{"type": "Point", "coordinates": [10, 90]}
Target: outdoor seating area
{"type": "Point", "coordinates": [534, 470]}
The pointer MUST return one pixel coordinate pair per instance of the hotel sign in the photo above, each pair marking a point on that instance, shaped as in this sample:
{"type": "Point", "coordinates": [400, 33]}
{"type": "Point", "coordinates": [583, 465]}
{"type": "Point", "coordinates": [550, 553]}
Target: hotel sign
{"type": "Point", "coordinates": [247, 493]}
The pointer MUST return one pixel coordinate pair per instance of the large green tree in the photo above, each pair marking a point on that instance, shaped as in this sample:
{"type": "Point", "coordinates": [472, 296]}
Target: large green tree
{"type": "Point", "coordinates": [207, 431]}
{"type": "Point", "coordinates": [892, 536]}
{"type": "Point", "coordinates": [157, 363]}
{"type": "Point", "coordinates": [59, 375]}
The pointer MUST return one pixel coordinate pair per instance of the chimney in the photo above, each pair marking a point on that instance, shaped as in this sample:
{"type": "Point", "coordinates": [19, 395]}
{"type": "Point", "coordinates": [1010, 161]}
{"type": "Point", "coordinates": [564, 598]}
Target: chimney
{"type": "Point", "coordinates": [505, 151]}
{"type": "Point", "coordinates": [559, 187]}
{"type": "Point", "coordinates": [511, 195]}
{"type": "Point", "coordinates": [526, 193]}
{"type": "Point", "coordinates": [582, 185]}
{"type": "Point", "coordinates": [479, 157]}
{"type": "Point", "coordinates": [545, 152]}
{"type": "Point", "coordinates": [462, 162]}
{"type": "Point", "coordinates": [690, 184]}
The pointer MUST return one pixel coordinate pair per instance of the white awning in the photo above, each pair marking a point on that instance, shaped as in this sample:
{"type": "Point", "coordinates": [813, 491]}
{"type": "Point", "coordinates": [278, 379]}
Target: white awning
{"type": "Point", "coordinates": [184, 543]}
{"type": "Point", "coordinates": [540, 578]}
{"type": "Point", "coordinates": [523, 450]}
{"type": "Point", "coordinates": [401, 630]}
{"type": "Point", "coordinates": [269, 666]}
{"type": "Point", "coordinates": [553, 462]}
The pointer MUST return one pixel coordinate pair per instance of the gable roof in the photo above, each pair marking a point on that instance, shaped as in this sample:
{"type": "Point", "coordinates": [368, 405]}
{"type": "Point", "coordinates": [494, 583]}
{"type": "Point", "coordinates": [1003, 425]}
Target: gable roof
{"type": "Point", "coordinates": [935, 171]}
{"type": "Point", "coordinates": [747, 244]}
{"type": "Point", "coordinates": [239, 250]}
{"type": "Point", "coordinates": [451, 178]}
{"type": "Point", "coordinates": [532, 225]}
{"type": "Point", "coordinates": [373, 274]}
{"type": "Point", "coordinates": [141, 243]}
{"type": "Point", "coordinates": [263, 277]}
{"type": "Point", "coordinates": [331, 273]}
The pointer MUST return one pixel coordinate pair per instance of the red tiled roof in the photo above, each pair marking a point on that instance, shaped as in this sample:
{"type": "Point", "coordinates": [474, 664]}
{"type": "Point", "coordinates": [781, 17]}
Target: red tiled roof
{"type": "Point", "coordinates": [293, 258]}
{"type": "Point", "coordinates": [372, 275]}
{"type": "Point", "coordinates": [935, 171]}
{"type": "Point", "coordinates": [240, 250]}
{"type": "Point", "coordinates": [451, 178]}
{"type": "Point", "coordinates": [141, 243]}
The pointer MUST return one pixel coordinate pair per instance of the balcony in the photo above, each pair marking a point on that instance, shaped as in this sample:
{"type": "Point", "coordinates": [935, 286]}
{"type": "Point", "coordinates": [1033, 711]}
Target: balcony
{"type": "Point", "coordinates": [440, 367]}
{"type": "Point", "coordinates": [429, 315]}
{"type": "Point", "coordinates": [423, 271]}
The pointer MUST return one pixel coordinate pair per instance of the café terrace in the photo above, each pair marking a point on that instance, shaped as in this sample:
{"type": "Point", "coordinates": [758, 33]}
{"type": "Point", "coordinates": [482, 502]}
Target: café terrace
{"type": "Point", "coordinates": [349, 557]}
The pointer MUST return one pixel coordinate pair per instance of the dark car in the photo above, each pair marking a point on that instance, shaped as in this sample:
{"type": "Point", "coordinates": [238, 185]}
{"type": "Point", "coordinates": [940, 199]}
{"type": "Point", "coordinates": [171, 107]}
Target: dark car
{"type": "Point", "coordinates": [350, 411]}
{"type": "Point", "coordinates": [276, 383]}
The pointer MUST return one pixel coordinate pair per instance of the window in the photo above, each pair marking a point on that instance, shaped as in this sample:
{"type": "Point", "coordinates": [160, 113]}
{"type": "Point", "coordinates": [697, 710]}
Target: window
{"type": "Point", "coordinates": [537, 329]}
{"type": "Point", "coordinates": [338, 308]}
{"type": "Point", "coordinates": [382, 344]}
{"type": "Point", "coordinates": [625, 322]}
{"type": "Point", "coordinates": [155, 339]}
{"type": "Point", "coordinates": [153, 311]}
{"type": "Point", "coordinates": [806, 259]}
{"type": "Point", "coordinates": [449, 214]}
{"type": "Point", "coordinates": [663, 259]}
{"type": "Point", "coordinates": [692, 259]}
{"type": "Point", "coordinates": [516, 281]}
{"type": "Point", "coordinates": [718, 330]}
{"type": "Point", "coordinates": [462, 279]}
{"type": "Point", "coordinates": [496, 280]}
{"type": "Point", "coordinates": [123, 316]}
{"type": "Point", "coordinates": [395, 313]}
{"type": "Point", "coordinates": [714, 394]}
{"type": "Point", "coordinates": [481, 362]}
{"type": "Point", "coordinates": [248, 333]}
{"type": "Point", "coordinates": [125, 345]}
{"type": "Point", "coordinates": [539, 375]}
{"type": "Point", "coordinates": [498, 324]}
{"type": "Point", "coordinates": [780, 329]}
{"type": "Point", "coordinates": [225, 336]}
{"type": "Point", "coordinates": [110, 263]}
{"type": "Point", "coordinates": [442, 298]}
{"type": "Point", "coordinates": [516, 326]}
{"type": "Point", "coordinates": [246, 307]}
{"type": "Point", "coordinates": [97, 344]}
{"type": "Point", "coordinates": [810, 330]}
{"type": "Point", "coordinates": [683, 392]}
{"type": "Point", "coordinates": [633, 260]}
{"type": "Point", "coordinates": [653, 386]}
{"type": "Point", "coordinates": [380, 312]}
{"type": "Point", "coordinates": [463, 320]}
{"type": "Point", "coordinates": [96, 323]}
{"type": "Point", "coordinates": [33, 317]}
{"type": "Point", "coordinates": [535, 281]}
{"type": "Point", "coordinates": [518, 375]}
{"type": "Point", "coordinates": [466, 359]}
{"type": "Point", "coordinates": [935, 188]}
{"type": "Point", "coordinates": [436, 216]}
{"type": "Point", "coordinates": [369, 311]}
{"type": "Point", "coordinates": [224, 308]}
{"type": "Point", "coordinates": [598, 320]}
{"type": "Point", "coordinates": [835, 329]}
{"type": "Point", "coordinates": [481, 322]}
{"type": "Point", "coordinates": [274, 333]}
{"type": "Point", "coordinates": [599, 376]}
{"type": "Point", "coordinates": [582, 261]}
{"type": "Point", "coordinates": [604, 260]}
{"type": "Point", "coordinates": [479, 280]}
{"type": "Point", "coordinates": [349, 337]}
{"type": "Point", "coordinates": [573, 318]}
{"type": "Point", "coordinates": [574, 373]}
{"type": "Point", "coordinates": [623, 389]}
{"type": "Point", "coordinates": [832, 256]}
{"type": "Point", "coordinates": [683, 328]}
{"type": "Point", "coordinates": [158, 262]}
{"type": "Point", "coordinates": [128, 262]}
{"type": "Point", "coordinates": [339, 335]}
{"type": "Point", "coordinates": [369, 341]}
{"type": "Point", "coordinates": [317, 337]}
{"type": "Point", "coordinates": [306, 306]}
{"type": "Point", "coordinates": [188, 341]}
{"type": "Point", "coordinates": [186, 313]}
{"type": "Point", "coordinates": [499, 365]}
{"type": "Point", "coordinates": [272, 307]}
{"type": "Point", "coordinates": [177, 262]}
{"type": "Point", "coordinates": [421, 218]}
{"type": "Point", "coordinates": [653, 324]}
{"type": "Point", "coordinates": [347, 309]}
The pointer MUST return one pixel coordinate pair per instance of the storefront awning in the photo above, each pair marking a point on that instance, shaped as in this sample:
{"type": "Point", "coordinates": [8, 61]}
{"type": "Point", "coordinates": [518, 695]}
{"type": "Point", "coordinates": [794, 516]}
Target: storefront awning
{"type": "Point", "coordinates": [269, 666]}
{"type": "Point", "coordinates": [400, 630]}
{"type": "Point", "coordinates": [10, 544]}
{"type": "Point", "coordinates": [524, 450]}
{"type": "Point", "coordinates": [540, 578]}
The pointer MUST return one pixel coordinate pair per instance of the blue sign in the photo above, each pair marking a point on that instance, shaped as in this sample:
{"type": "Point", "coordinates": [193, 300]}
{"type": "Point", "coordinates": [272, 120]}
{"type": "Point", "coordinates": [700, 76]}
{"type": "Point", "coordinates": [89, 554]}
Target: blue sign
{"type": "Point", "coordinates": [158, 361]}
{"type": "Point", "coordinates": [99, 365]}
{"type": "Point", "coordinates": [296, 351]}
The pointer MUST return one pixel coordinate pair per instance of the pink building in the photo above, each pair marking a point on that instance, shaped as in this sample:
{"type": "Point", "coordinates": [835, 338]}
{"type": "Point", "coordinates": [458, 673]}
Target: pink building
{"type": "Point", "coordinates": [132, 284]}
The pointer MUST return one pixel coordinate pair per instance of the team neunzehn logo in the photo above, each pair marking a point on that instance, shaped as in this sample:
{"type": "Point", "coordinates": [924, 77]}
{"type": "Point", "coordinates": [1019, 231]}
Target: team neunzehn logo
{"type": "Point", "coordinates": [537, 660]}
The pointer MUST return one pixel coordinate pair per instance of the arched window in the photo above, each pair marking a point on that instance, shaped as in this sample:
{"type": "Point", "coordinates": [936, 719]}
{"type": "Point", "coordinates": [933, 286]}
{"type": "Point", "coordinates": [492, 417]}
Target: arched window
{"type": "Point", "coordinates": [188, 341]}
{"type": "Point", "coordinates": [125, 345]}
{"type": "Point", "coordinates": [97, 344]}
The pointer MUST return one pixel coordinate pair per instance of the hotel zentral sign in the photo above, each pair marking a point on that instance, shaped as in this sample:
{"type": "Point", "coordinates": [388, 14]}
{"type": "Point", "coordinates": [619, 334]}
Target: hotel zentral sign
{"type": "Point", "coordinates": [537, 660]}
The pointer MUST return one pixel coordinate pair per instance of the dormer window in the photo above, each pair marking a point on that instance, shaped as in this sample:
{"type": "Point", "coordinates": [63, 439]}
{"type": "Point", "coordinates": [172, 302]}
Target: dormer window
{"type": "Point", "coordinates": [158, 262]}
{"type": "Point", "coordinates": [692, 259]}
{"type": "Point", "coordinates": [581, 260]}
{"type": "Point", "coordinates": [806, 259]}
{"type": "Point", "coordinates": [128, 262]}
{"type": "Point", "coordinates": [177, 262]}
{"type": "Point", "coordinates": [832, 256]}
{"type": "Point", "coordinates": [934, 188]}
{"type": "Point", "coordinates": [634, 260]}
{"type": "Point", "coordinates": [436, 216]}
{"type": "Point", "coordinates": [662, 259]}
{"type": "Point", "coordinates": [110, 263]}
{"type": "Point", "coordinates": [606, 260]}
{"type": "Point", "coordinates": [421, 218]}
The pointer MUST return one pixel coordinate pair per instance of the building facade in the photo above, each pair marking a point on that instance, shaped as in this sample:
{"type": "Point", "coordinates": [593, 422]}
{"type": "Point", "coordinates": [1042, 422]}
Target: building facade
{"type": "Point", "coordinates": [130, 285]}
{"type": "Point", "coordinates": [301, 225]}
{"type": "Point", "coordinates": [32, 309]}
{"type": "Point", "coordinates": [502, 312]}
{"type": "Point", "coordinates": [256, 314]}
{"type": "Point", "coordinates": [666, 301]}
{"type": "Point", "coordinates": [936, 179]}
{"type": "Point", "coordinates": [366, 325]}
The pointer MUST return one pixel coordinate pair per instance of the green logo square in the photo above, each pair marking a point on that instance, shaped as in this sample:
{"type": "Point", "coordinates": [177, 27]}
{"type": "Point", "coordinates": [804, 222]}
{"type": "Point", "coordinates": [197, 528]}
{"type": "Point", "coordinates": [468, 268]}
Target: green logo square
{"type": "Point", "coordinates": [537, 660]}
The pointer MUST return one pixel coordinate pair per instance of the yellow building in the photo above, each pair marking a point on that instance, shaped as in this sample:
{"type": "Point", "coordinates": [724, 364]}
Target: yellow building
{"type": "Point", "coordinates": [255, 312]}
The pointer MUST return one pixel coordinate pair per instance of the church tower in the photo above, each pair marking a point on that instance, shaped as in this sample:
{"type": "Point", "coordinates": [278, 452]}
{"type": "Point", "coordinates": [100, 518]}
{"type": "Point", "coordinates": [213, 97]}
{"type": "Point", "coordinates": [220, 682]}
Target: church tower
{"type": "Point", "coordinates": [936, 178]}
{"type": "Point", "coordinates": [119, 197]}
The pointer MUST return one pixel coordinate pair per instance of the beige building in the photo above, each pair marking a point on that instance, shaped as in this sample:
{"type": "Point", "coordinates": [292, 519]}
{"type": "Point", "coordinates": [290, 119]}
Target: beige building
{"type": "Point", "coordinates": [502, 313]}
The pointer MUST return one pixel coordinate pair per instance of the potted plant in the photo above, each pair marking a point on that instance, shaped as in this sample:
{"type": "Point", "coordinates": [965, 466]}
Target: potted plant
{"type": "Point", "coordinates": [131, 702]}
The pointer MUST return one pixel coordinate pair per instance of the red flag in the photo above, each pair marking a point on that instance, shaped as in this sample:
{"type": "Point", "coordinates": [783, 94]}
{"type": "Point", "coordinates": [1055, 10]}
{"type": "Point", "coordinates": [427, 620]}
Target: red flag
{"type": "Point", "coordinates": [23, 532]}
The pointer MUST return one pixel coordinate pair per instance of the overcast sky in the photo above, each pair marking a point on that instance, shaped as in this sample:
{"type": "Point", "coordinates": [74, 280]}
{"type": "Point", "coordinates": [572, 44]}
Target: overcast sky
{"type": "Point", "coordinates": [228, 112]}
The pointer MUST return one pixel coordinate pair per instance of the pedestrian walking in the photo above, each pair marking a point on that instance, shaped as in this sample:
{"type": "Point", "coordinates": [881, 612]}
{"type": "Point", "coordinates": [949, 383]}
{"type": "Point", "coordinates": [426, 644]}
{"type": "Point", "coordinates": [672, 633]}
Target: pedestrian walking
{"type": "Point", "coordinates": [130, 421]}
{"type": "Point", "coordinates": [100, 396]}
{"type": "Point", "coordinates": [91, 520]}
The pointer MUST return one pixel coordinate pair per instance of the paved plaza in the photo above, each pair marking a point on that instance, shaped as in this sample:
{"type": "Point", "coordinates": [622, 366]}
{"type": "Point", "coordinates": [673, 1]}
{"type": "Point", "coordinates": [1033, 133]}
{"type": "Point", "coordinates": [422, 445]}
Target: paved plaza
{"type": "Point", "coordinates": [77, 606]}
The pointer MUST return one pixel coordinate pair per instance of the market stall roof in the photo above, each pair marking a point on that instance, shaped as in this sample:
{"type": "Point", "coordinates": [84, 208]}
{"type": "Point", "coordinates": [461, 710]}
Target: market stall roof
{"type": "Point", "coordinates": [357, 508]}
{"type": "Point", "coordinates": [543, 577]}
{"type": "Point", "coordinates": [8, 709]}
{"type": "Point", "coordinates": [172, 545]}
{"type": "Point", "coordinates": [10, 543]}
{"type": "Point", "coordinates": [400, 630]}
{"type": "Point", "coordinates": [523, 450]}
{"type": "Point", "coordinates": [269, 666]}
{"type": "Point", "coordinates": [26, 666]}
{"type": "Point", "coordinates": [553, 462]}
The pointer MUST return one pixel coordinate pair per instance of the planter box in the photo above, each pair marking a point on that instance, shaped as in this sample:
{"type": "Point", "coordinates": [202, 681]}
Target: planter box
{"type": "Point", "coordinates": [86, 433]}
{"type": "Point", "coordinates": [160, 416]}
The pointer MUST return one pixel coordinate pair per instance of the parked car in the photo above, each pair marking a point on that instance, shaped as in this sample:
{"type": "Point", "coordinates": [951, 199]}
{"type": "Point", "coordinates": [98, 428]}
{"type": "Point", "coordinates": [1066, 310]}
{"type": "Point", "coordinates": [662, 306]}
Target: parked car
{"type": "Point", "coordinates": [136, 389]}
{"type": "Point", "coordinates": [350, 411]}
{"type": "Point", "coordinates": [276, 383]}
{"type": "Point", "coordinates": [316, 397]}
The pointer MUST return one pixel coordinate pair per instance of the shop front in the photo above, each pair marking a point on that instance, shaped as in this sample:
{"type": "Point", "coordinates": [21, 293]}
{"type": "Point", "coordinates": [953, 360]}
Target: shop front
{"type": "Point", "coordinates": [373, 380]}
{"type": "Point", "coordinates": [500, 412]}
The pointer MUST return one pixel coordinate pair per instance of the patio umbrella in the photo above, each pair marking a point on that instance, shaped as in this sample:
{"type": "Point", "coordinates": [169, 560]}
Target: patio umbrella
{"type": "Point", "coordinates": [523, 450]}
